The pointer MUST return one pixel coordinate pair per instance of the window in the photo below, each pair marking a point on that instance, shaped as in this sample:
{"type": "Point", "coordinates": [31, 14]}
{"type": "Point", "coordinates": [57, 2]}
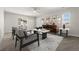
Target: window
{"type": "Point", "coordinates": [66, 18]}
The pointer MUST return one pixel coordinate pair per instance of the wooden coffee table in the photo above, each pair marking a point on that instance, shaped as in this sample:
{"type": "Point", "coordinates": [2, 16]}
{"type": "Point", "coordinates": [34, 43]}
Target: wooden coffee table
{"type": "Point", "coordinates": [43, 32]}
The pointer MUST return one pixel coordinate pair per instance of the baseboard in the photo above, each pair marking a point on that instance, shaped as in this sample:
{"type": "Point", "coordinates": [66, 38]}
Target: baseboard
{"type": "Point", "coordinates": [7, 32]}
{"type": "Point", "coordinates": [73, 35]}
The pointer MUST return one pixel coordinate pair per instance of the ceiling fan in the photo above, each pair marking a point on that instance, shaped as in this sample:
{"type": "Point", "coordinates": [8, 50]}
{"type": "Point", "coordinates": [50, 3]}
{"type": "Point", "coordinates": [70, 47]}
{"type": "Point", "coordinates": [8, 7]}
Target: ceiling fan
{"type": "Point", "coordinates": [36, 9]}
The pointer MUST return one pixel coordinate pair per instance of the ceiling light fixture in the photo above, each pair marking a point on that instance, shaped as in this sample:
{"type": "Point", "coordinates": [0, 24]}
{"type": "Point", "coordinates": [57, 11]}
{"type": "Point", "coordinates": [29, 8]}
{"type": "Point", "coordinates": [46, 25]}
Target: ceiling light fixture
{"type": "Point", "coordinates": [35, 9]}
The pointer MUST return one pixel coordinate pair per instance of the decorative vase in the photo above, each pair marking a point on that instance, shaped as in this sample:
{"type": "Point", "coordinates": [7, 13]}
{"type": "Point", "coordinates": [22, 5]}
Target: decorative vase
{"type": "Point", "coordinates": [63, 26]}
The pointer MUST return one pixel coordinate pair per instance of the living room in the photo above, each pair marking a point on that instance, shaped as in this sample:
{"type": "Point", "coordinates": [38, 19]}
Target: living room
{"type": "Point", "coordinates": [59, 24]}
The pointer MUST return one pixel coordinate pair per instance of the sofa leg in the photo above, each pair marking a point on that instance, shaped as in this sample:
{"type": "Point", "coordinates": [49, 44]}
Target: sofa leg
{"type": "Point", "coordinates": [16, 42]}
{"type": "Point", "coordinates": [21, 41]}
{"type": "Point", "coordinates": [12, 36]}
{"type": "Point", "coordinates": [38, 39]}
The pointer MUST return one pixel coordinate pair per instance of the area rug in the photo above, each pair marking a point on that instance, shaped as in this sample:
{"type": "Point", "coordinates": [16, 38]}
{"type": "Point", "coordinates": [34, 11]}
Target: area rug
{"type": "Point", "coordinates": [49, 44]}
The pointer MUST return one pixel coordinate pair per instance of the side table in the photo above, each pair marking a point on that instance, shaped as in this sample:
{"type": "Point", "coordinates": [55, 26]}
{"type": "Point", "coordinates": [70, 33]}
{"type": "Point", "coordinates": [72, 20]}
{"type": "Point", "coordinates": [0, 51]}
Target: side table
{"type": "Point", "coordinates": [64, 29]}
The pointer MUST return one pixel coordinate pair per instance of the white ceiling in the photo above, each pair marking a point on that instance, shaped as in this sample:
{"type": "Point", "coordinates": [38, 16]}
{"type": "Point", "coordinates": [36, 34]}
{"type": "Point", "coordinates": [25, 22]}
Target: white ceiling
{"type": "Point", "coordinates": [30, 12]}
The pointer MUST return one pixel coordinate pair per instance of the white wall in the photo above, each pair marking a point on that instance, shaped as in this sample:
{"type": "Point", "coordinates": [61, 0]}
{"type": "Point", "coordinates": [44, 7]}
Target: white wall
{"type": "Point", "coordinates": [1, 23]}
{"type": "Point", "coordinates": [39, 22]}
{"type": "Point", "coordinates": [74, 19]}
{"type": "Point", "coordinates": [74, 29]}
{"type": "Point", "coordinates": [11, 20]}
